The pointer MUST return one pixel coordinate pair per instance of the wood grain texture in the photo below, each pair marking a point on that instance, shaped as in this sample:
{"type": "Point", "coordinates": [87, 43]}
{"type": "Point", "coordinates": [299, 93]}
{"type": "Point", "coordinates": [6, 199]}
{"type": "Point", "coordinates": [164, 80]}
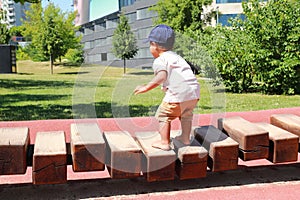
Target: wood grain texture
{"type": "Point", "coordinates": [13, 150]}
{"type": "Point", "coordinates": [124, 155]}
{"type": "Point", "coordinates": [158, 165]}
{"type": "Point", "coordinates": [87, 147]}
{"type": "Point", "coordinates": [253, 140]}
{"type": "Point", "coordinates": [49, 158]}
{"type": "Point", "coordinates": [283, 144]}
{"type": "Point", "coordinates": [222, 150]}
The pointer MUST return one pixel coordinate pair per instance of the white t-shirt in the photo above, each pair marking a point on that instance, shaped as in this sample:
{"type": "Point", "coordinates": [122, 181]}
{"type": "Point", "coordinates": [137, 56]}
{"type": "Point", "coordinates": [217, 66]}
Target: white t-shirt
{"type": "Point", "coordinates": [181, 84]}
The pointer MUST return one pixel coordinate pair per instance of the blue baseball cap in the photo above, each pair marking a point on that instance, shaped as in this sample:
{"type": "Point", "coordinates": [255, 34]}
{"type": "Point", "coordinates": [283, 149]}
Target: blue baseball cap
{"type": "Point", "coordinates": [163, 35]}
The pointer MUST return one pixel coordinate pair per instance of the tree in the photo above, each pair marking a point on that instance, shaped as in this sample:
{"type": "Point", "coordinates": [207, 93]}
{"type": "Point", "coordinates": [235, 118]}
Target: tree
{"type": "Point", "coordinates": [4, 31]}
{"type": "Point", "coordinates": [275, 26]}
{"type": "Point", "coordinates": [52, 31]}
{"type": "Point", "coordinates": [124, 41]}
{"type": "Point", "coordinates": [182, 15]}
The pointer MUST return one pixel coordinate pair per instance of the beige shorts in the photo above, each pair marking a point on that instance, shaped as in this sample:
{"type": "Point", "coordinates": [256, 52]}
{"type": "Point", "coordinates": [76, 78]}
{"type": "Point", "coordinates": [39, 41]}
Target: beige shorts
{"type": "Point", "coordinates": [167, 112]}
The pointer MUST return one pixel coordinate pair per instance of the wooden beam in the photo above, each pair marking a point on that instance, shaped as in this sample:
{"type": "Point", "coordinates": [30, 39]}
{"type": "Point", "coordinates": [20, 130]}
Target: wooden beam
{"type": "Point", "coordinates": [49, 158]}
{"type": "Point", "coordinates": [87, 147]}
{"type": "Point", "coordinates": [253, 140]}
{"type": "Point", "coordinates": [158, 165]}
{"type": "Point", "coordinates": [222, 150]}
{"type": "Point", "coordinates": [13, 150]}
{"type": "Point", "coordinates": [124, 155]}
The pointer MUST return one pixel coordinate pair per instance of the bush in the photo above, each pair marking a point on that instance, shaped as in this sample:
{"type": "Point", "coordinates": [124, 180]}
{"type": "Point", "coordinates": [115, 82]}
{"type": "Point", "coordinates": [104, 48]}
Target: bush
{"type": "Point", "coordinates": [75, 56]}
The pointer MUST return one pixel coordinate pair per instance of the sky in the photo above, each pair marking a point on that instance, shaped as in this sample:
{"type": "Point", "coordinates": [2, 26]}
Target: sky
{"type": "Point", "coordinates": [98, 8]}
{"type": "Point", "coordinates": [64, 5]}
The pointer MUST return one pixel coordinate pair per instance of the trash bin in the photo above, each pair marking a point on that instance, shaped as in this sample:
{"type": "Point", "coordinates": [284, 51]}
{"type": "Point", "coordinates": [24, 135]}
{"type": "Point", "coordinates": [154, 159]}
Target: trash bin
{"type": "Point", "coordinates": [8, 60]}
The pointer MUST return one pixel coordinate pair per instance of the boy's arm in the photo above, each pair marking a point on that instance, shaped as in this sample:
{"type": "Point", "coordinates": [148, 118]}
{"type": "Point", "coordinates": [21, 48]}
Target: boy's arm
{"type": "Point", "coordinates": [159, 78]}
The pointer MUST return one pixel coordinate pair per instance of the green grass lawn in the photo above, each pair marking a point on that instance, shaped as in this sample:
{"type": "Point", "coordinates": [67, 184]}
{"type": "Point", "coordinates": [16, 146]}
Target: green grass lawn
{"type": "Point", "coordinates": [102, 92]}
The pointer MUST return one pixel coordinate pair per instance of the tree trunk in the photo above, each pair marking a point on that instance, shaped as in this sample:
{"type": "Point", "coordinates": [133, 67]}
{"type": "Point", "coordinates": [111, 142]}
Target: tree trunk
{"type": "Point", "coordinates": [51, 63]}
{"type": "Point", "coordinates": [124, 66]}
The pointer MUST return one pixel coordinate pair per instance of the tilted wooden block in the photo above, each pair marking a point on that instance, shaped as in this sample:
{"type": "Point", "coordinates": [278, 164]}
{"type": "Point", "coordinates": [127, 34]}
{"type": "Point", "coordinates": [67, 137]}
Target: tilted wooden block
{"type": "Point", "coordinates": [124, 155]}
{"type": "Point", "coordinates": [13, 150]}
{"type": "Point", "coordinates": [283, 144]}
{"type": "Point", "coordinates": [253, 140]}
{"type": "Point", "coordinates": [289, 122]}
{"type": "Point", "coordinates": [191, 160]}
{"type": "Point", "coordinates": [223, 151]}
{"type": "Point", "coordinates": [87, 147]}
{"type": "Point", "coordinates": [49, 158]}
{"type": "Point", "coordinates": [158, 165]}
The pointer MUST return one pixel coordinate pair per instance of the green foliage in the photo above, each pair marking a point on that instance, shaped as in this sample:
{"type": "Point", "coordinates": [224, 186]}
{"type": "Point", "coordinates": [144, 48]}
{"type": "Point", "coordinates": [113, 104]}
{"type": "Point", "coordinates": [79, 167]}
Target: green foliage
{"type": "Point", "coordinates": [51, 30]}
{"type": "Point", "coordinates": [260, 53]}
{"type": "Point", "coordinates": [275, 27]}
{"type": "Point", "coordinates": [182, 15]}
{"type": "Point", "coordinates": [124, 41]}
{"type": "Point", "coordinates": [22, 53]}
{"type": "Point", "coordinates": [4, 32]}
{"type": "Point", "coordinates": [75, 56]}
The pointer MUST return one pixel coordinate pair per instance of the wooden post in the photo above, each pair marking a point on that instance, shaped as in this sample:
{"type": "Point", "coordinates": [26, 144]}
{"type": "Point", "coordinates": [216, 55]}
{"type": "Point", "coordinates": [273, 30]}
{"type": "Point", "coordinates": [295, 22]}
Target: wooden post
{"type": "Point", "coordinates": [87, 147]}
{"type": "Point", "coordinates": [283, 144]}
{"type": "Point", "coordinates": [13, 150]}
{"type": "Point", "coordinates": [223, 151]}
{"type": "Point", "coordinates": [49, 158]}
{"type": "Point", "coordinates": [158, 165]}
{"type": "Point", "coordinates": [124, 156]}
{"type": "Point", "coordinates": [253, 140]}
{"type": "Point", "coordinates": [191, 160]}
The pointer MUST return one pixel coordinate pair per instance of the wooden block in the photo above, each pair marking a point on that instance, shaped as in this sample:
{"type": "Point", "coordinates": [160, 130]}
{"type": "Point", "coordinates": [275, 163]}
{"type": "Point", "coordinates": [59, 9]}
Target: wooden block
{"type": "Point", "coordinates": [13, 150]}
{"type": "Point", "coordinates": [288, 122]}
{"type": "Point", "coordinates": [158, 165]}
{"type": "Point", "coordinates": [253, 140]}
{"type": "Point", "coordinates": [49, 158]}
{"type": "Point", "coordinates": [124, 155]}
{"type": "Point", "coordinates": [87, 147]}
{"type": "Point", "coordinates": [283, 144]}
{"type": "Point", "coordinates": [222, 150]}
{"type": "Point", "coordinates": [191, 160]}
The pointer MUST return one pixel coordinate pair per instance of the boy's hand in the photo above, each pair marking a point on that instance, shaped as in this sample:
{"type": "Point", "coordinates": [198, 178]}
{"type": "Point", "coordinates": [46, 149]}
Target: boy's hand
{"type": "Point", "coordinates": [140, 89]}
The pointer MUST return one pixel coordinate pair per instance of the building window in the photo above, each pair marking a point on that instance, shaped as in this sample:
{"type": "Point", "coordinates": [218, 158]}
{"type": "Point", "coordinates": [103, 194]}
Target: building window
{"type": "Point", "coordinates": [103, 56]}
{"type": "Point", "coordinates": [224, 18]}
{"type": "Point", "coordinates": [145, 14]}
{"type": "Point", "coordinates": [126, 2]}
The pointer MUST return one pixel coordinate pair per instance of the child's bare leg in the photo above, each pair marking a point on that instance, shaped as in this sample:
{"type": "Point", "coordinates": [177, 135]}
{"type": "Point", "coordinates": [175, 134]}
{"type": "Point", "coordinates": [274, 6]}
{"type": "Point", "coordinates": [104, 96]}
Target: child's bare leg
{"type": "Point", "coordinates": [164, 131]}
{"type": "Point", "coordinates": [186, 127]}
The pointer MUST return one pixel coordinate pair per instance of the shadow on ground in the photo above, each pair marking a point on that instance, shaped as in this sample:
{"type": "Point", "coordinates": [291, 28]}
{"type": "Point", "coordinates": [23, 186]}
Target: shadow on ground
{"type": "Point", "coordinates": [123, 187]}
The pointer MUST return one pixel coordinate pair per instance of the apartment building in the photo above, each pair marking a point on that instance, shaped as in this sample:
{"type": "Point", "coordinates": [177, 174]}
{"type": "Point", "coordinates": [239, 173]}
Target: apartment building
{"type": "Point", "coordinates": [13, 13]}
{"type": "Point", "coordinates": [97, 34]}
